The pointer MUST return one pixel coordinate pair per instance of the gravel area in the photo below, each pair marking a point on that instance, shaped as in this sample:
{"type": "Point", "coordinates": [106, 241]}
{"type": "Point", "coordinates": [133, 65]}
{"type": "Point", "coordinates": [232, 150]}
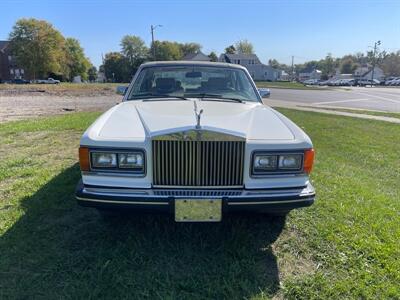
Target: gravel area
{"type": "Point", "coordinates": [22, 106]}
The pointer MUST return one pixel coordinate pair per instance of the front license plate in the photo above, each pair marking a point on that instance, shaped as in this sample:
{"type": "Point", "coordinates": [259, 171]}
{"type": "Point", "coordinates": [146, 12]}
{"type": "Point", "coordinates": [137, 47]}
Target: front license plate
{"type": "Point", "coordinates": [198, 210]}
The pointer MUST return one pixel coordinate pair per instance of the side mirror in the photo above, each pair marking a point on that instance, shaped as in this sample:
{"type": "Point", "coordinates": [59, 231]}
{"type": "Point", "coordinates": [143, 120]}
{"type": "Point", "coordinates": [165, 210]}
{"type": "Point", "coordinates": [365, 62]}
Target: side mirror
{"type": "Point", "coordinates": [264, 93]}
{"type": "Point", "coordinates": [121, 90]}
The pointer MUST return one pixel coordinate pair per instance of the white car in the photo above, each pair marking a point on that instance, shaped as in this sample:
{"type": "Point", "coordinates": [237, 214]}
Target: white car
{"type": "Point", "coordinates": [194, 139]}
{"type": "Point", "coordinates": [48, 81]}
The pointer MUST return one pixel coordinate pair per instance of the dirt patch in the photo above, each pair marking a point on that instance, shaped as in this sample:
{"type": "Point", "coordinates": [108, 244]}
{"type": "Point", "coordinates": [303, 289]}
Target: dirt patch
{"type": "Point", "coordinates": [24, 105]}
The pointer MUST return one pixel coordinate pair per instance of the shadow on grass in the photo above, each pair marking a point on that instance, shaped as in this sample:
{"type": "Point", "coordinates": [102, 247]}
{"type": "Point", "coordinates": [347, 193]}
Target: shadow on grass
{"type": "Point", "coordinates": [58, 249]}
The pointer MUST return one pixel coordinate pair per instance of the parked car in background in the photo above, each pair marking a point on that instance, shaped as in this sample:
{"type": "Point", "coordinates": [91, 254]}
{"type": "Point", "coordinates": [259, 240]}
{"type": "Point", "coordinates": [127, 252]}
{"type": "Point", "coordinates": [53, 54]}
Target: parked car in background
{"type": "Point", "coordinates": [311, 82]}
{"type": "Point", "coordinates": [366, 82]}
{"type": "Point", "coordinates": [48, 81]}
{"type": "Point", "coordinates": [194, 139]}
{"type": "Point", "coordinates": [19, 81]}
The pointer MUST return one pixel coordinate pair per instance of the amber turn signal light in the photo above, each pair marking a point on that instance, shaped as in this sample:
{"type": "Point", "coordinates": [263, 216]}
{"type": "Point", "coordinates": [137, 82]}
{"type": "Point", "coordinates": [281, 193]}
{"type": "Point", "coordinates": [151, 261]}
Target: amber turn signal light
{"type": "Point", "coordinates": [308, 160]}
{"type": "Point", "coordinates": [84, 158]}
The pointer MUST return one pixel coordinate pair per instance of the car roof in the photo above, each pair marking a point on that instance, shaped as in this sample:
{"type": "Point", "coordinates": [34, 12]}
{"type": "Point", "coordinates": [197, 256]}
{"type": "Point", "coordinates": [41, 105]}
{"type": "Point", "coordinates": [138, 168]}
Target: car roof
{"type": "Point", "coordinates": [191, 63]}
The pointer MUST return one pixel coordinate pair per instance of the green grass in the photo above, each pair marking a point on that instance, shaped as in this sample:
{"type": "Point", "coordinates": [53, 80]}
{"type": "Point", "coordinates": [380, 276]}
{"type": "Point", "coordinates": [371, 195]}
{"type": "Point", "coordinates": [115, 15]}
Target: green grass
{"type": "Point", "coordinates": [286, 85]}
{"type": "Point", "coordinates": [365, 112]}
{"type": "Point", "coordinates": [346, 246]}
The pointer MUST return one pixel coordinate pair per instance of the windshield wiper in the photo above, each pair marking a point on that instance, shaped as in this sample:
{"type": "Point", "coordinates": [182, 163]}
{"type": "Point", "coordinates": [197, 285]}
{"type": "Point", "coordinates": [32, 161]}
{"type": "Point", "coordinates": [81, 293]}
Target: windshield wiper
{"type": "Point", "coordinates": [149, 96]}
{"type": "Point", "coordinates": [215, 96]}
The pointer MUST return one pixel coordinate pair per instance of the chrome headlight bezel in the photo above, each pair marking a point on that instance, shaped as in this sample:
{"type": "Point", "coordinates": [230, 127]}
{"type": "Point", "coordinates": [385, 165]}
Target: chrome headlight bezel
{"type": "Point", "coordinates": [139, 170]}
{"type": "Point", "coordinates": [260, 172]}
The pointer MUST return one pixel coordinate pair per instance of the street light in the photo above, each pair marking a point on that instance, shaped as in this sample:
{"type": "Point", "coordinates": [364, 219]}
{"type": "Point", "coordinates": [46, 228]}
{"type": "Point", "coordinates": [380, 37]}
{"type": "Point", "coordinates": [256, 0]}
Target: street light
{"type": "Point", "coordinates": [152, 28]}
{"type": "Point", "coordinates": [374, 62]}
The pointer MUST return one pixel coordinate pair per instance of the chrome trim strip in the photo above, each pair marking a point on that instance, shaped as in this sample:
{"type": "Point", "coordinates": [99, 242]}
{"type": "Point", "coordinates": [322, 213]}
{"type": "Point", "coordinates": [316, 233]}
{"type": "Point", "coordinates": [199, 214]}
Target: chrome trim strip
{"type": "Point", "coordinates": [269, 202]}
{"type": "Point", "coordinates": [123, 202]}
{"type": "Point", "coordinates": [199, 135]}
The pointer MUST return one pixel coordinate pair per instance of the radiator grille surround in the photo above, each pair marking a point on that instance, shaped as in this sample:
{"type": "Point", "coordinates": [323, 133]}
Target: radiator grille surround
{"type": "Point", "coordinates": [198, 163]}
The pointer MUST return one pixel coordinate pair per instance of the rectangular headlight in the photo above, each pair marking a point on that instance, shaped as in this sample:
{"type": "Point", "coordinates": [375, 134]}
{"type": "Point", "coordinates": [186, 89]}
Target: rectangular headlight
{"type": "Point", "coordinates": [290, 161]}
{"type": "Point", "coordinates": [265, 162]}
{"type": "Point", "coordinates": [103, 160]}
{"type": "Point", "coordinates": [274, 163]}
{"type": "Point", "coordinates": [132, 160]}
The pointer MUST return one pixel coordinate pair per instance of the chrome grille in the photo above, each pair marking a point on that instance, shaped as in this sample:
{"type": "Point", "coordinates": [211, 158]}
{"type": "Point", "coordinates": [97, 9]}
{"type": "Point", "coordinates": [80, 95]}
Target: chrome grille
{"type": "Point", "coordinates": [198, 163]}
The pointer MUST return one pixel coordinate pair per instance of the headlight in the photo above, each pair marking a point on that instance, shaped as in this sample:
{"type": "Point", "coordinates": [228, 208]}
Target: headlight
{"type": "Point", "coordinates": [130, 160]}
{"type": "Point", "coordinates": [265, 162]}
{"type": "Point", "coordinates": [290, 161]}
{"type": "Point", "coordinates": [104, 160]}
{"type": "Point", "coordinates": [275, 163]}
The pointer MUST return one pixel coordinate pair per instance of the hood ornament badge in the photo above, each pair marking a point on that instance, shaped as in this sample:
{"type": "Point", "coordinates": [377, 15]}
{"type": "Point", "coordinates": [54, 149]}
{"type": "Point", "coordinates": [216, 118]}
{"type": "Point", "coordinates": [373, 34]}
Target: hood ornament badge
{"type": "Point", "coordinates": [198, 115]}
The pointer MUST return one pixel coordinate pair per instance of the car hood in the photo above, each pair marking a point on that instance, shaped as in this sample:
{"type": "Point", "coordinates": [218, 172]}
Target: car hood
{"type": "Point", "coordinates": [146, 119]}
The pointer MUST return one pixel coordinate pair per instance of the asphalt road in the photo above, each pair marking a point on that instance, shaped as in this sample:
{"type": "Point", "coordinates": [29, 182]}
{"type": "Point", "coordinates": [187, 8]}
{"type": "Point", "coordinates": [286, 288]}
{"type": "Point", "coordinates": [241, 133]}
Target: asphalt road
{"type": "Point", "coordinates": [376, 98]}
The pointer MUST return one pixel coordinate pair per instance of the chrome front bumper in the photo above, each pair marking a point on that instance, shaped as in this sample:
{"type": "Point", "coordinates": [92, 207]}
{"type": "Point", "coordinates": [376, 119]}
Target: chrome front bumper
{"type": "Point", "coordinates": [163, 199]}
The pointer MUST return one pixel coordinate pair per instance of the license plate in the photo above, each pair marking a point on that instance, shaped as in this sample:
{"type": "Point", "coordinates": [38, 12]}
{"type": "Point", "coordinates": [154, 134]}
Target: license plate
{"type": "Point", "coordinates": [198, 210]}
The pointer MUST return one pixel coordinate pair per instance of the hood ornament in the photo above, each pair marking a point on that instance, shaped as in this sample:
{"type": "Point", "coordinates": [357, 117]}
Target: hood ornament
{"type": "Point", "coordinates": [198, 115]}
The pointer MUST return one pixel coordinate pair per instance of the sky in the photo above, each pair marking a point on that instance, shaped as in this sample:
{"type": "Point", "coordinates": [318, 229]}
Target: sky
{"type": "Point", "coordinates": [277, 29]}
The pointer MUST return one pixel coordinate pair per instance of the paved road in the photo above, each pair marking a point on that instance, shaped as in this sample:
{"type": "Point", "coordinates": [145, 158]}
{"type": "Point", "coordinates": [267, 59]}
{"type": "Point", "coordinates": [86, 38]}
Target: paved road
{"type": "Point", "coordinates": [382, 99]}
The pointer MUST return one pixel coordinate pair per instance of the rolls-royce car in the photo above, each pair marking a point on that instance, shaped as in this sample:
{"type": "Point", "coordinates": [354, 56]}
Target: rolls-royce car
{"type": "Point", "coordinates": [195, 140]}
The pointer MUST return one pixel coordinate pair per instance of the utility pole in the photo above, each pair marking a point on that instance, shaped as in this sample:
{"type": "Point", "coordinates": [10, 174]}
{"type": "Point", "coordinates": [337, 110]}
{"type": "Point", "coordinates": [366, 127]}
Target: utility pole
{"type": "Point", "coordinates": [292, 68]}
{"type": "Point", "coordinates": [374, 62]}
{"type": "Point", "coordinates": [152, 28]}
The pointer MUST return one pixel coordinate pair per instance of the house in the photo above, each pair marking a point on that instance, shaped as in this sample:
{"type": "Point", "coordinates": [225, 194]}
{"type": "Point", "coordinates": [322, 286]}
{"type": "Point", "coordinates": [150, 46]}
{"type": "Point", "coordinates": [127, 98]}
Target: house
{"type": "Point", "coordinates": [283, 76]}
{"type": "Point", "coordinates": [310, 74]}
{"type": "Point", "coordinates": [252, 63]}
{"type": "Point", "coordinates": [198, 56]}
{"type": "Point", "coordinates": [365, 72]}
{"type": "Point", "coordinates": [8, 66]}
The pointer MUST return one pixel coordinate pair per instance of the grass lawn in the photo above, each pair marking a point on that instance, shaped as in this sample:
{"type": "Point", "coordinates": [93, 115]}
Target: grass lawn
{"type": "Point", "coordinates": [286, 85]}
{"type": "Point", "coordinates": [346, 246]}
{"type": "Point", "coordinates": [365, 112]}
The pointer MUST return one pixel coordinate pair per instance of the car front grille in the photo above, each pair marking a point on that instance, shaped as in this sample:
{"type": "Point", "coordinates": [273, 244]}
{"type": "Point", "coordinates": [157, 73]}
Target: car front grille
{"type": "Point", "coordinates": [198, 163]}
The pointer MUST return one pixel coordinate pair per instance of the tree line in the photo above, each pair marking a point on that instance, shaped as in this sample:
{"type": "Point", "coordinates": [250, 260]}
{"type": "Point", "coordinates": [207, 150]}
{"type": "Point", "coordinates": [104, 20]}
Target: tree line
{"type": "Point", "coordinates": [121, 66]}
{"type": "Point", "coordinates": [43, 51]}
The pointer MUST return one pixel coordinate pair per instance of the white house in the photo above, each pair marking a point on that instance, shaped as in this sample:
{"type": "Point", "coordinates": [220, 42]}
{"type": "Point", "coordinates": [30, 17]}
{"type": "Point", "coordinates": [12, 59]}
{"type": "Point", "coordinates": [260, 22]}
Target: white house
{"type": "Point", "coordinates": [312, 74]}
{"type": "Point", "coordinates": [365, 72]}
{"type": "Point", "coordinates": [251, 62]}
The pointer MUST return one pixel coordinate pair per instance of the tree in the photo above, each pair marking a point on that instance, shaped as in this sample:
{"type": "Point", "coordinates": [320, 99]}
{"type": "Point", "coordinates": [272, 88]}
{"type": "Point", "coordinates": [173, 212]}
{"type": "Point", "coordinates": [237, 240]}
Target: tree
{"type": "Point", "coordinates": [244, 47]}
{"type": "Point", "coordinates": [188, 48]}
{"type": "Point", "coordinates": [38, 47]}
{"type": "Point", "coordinates": [116, 67]}
{"type": "Point", "coordinates": [92, 73]}
{"type": "Point", "coordinates": [166, 50]}
{"type": "Point", "coordinates": [391, 64]}
{"type": "Point", "coordinates": [134, 48]}
{"type": "Point", "coordinates": [76, 61]}
{"type": "Point", "coordinates": [230, 50]}
{"type": "Point", "coordinates": [213, 56]}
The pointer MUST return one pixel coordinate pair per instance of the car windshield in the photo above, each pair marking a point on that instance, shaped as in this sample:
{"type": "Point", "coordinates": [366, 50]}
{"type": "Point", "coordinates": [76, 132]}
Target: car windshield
{"type": "Point", "coordinates": [208, 83]}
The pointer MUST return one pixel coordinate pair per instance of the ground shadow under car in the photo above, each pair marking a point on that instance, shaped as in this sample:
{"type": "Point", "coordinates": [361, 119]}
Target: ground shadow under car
{"type": "Point", "coordinates": [60, 250]}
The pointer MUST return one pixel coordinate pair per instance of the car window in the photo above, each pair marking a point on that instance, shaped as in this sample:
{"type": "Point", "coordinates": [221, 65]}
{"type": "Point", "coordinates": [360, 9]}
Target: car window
{"type": "Point", "coordinates": [185, 81]}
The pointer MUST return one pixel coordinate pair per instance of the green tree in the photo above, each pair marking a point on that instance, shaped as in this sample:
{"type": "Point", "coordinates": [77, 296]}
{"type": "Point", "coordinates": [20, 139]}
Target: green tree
{"type": "Point", "coordinates": [230, 50]}
{"type": "Point", "coordinates": [213, 56]}
{"type": "Point", "coordinates": [391, 64]}
{"type": "Point", "coordinates": [92, 73]}
{"type": "Point", "coordinates": [188, 48]}
{"type": "Point", "coordinates": [116, 67]}
{"type": "Point", "coordinates": [38, 47]}
{"type": "Point", "coordinates": [166, 50]}
{"type": "Point", "coordinates": [134, 48]}
{"type": "Point", "coordinates": [347, 66]}
{"type": "Point", "coordinates": [76, 61]}
{"type": "Point", "coordinates": [244, 47]}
